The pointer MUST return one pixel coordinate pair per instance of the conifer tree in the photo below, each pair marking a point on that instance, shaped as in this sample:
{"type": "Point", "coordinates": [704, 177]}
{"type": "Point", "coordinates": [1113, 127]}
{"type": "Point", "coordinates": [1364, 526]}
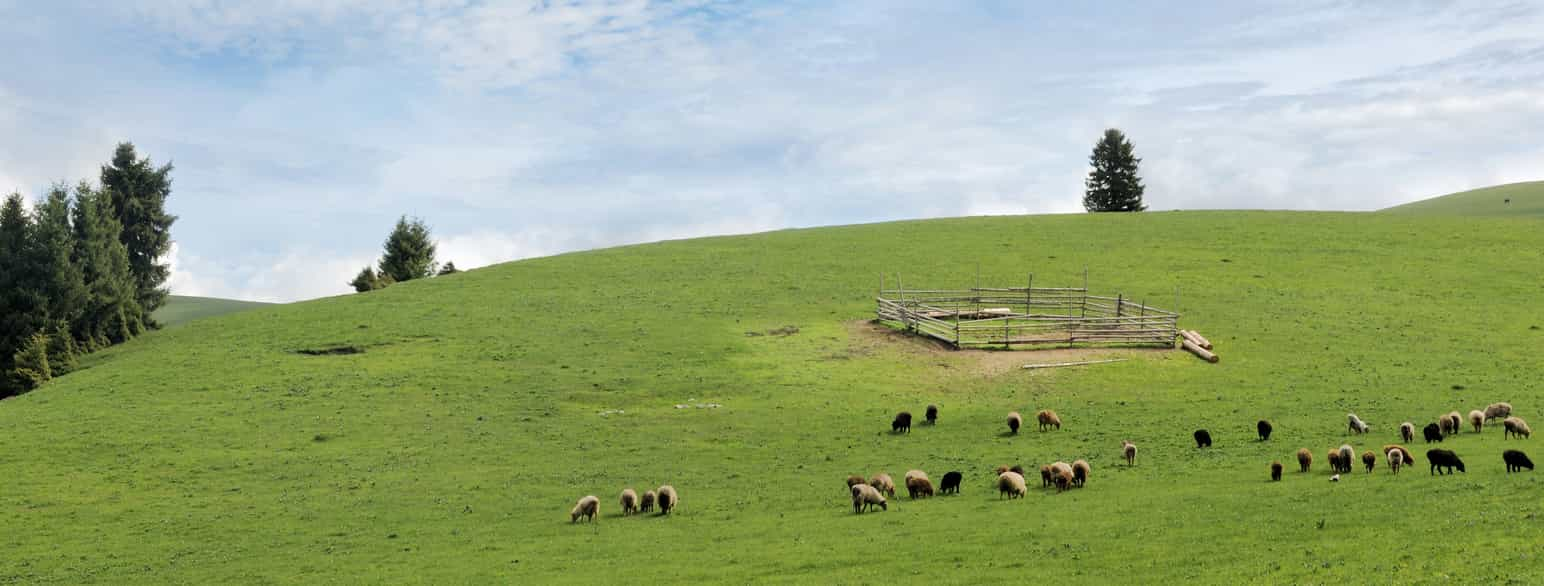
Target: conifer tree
{"type": "Point", "coordinates": [1113, 184]}
{"type": "Point", "coordinates": [138, 192]}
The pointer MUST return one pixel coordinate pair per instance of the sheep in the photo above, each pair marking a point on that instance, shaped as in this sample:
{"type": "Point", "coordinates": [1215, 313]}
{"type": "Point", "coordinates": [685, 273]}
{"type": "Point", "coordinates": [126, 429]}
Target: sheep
{"type": "Point", "coordinates": [951, 483]}
{"type": "Point", "coordinates": [1407, 432]}
{"type": "Point", "coordinates": [1017, 469]}
{"type": "Point", "coordinates": [864, 497]}
{"type": "Point", "coordinates": [1334, 459]}
{"type": "Point", "coordinates": [1203, 439]}
{"type": "Point", "coordinates": [1444, 459]}
{"type": "Point", "coordinates": [1356, 424]}
{"type": "Point", "coordinates": [668, 499]}
{"type": "Point", "coordinates": [1515, 426]}
{"type": "Point", "coordinates": [854, 480]}
{"type": "Point", "coordinates": [1014, 420]}
{"type": "Point", "coordinates": [882, 483]}
{"type": "Point", "coordinates": [1347, 456]}
{"type": "Point", "coordinates": [1477, 419]}
{"type": "Point", "coordinates": [587, 507]}
{"type": "Point", "coordinates": [1369, 459]}
{"type": "Point", "coordinates": [918, 484]}
{"type": "Point", "coordinates": [932, 415]}
{"type": "Point", "coordinates": [1129, 451]}
{"type": "Point", "coordinates": [1011, 484]}
{"type": "Point", "coordinates": [1048, 418]}
{"type": "Point", "coordinates": [1498, 411]}
{"type": "Point", "coordinates": [646, 504]}
{"type": "Point", "coordinates": [1045, 476]}
{"type": "Point", "coordinates": [1080, 472]}
{"type": "Point", "coordinates": [1432, 432]}
{"type": "Point", "coordinates": [1275, 471]}
{"type": "Point", "coordinates": [1264, 429]}
{"type": "Point", "coordinates": [629, 501]}
{"type": "Point", "coordinates": [1408, 458]}
{"type": "Point", "coordinates": [1451, 423]}
{"type": "Point", "coordinates": [1516, 461]}
{"type": "Point", "coordinates": [901, 423]}
{"type": "Point", "coordinates": [1396, 459]}
{"type": "Point", "coordinates": [1304, 459]}
{"type": "Point", "coordinates": [1061, 475]}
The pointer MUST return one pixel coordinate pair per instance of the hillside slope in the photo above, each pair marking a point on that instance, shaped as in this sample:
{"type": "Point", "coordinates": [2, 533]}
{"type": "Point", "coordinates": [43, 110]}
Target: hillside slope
{"type": "Point", "coordinates": [1513, 199]}
{"type": "Point", "coordinates": [182, 308]}
{"type": "Point", "coordinates": [439, 431]}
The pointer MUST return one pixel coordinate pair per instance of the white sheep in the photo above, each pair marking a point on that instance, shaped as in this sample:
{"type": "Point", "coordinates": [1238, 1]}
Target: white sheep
{"type": "Point", "coordinates": [1011, 484]}
{"type": "Point", "coordinates": [587, 507]}
{"type": "Point", "coordinates": [1498, 411]}
{"type": "Point", "coordinates": [629, 501]}
{"type": "Point", "coordinates": [884, 484]}
{"type": "Point", "coordinates": [864, 497]}
{"type": "Point", "coordinates": [1515, 426]}
{"type": "Point", "coordinates": [1477, 419]}
{"type": "Point", "coordinates": [1396, 459]}
{"type": "Point", "coordinates": [1356, 424]}
{"type": "Point", "coordinates": [668, 499]}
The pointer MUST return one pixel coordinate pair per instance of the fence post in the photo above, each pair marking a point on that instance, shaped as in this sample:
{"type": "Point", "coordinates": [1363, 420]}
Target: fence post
{"type": "Point", "coordinates": [1120, 299]}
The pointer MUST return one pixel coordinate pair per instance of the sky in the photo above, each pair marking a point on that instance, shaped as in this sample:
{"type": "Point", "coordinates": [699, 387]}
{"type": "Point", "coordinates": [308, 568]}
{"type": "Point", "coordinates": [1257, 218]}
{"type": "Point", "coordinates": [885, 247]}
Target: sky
{"type": "Point", "coordinates": [300, 130]}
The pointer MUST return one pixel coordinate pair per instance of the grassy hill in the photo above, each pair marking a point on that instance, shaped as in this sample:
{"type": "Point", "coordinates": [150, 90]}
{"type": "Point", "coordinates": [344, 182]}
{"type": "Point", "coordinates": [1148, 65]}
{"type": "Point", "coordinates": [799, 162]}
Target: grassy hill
{"type": "Point", "coordinates": [1526, 199]}
{"type": "Point", "coordinates": [182, 308]}
{"type": "Point", "coordinates": [469, 412]}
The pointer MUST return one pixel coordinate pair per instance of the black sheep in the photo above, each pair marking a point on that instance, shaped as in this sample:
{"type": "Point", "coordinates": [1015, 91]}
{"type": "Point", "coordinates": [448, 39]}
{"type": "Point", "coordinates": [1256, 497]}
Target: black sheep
{"type": "Point", "coordinates": [1275, 469]}
{"type": "Point", "coordinates": [1444, 459]}
{"type": "Point", "coordinates": [1516, 461]}
{"type": "Point", "coordinates": [951, 483]}
{"type": "Point", "coordinates": [1264, 427]}
{"type": "Point", "coordinates": [1203, 439]}
{"type": "Point", "coordinates": [902, 423]}
{"type": "Point", "coordinates": [932, 415]}
{"type": "Point", "coordinates": [1432, 433]}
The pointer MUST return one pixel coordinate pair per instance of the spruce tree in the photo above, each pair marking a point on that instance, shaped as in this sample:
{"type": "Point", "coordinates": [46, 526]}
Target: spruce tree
{"type": "Point", "coordinates": [365, 281]}
{"type": "Point", "coordinates": [1113, 184]}
{"type": "Point", "coordinates": [22, 299]}
{"type": "Point", "coordinates": [449, 269]}
{"type": "Point", "coordinates": [112, 313]}
{"type": "Point", "coordinates": [409, 252]}
{"type": "Point", "coordinates": [62, 351]}
{"type": "Point", "coordinates": [31, 365]}
{"type": "Point", "coordinates": [54, 239]}
{"type": "Point", "coordinates": [138, 191]}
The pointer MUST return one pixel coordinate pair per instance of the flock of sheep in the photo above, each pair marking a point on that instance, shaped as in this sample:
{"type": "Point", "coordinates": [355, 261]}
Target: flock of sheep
{"type": "Point", "coordinates": [588, 507]}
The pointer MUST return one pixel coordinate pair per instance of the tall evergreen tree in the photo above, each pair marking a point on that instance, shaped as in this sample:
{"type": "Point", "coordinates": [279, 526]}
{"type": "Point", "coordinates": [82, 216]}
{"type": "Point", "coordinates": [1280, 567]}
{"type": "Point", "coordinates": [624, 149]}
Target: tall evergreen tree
{"type": "Point", "coordinates": [112, 312]}
{"type": "Point", "coordinates": [1113, 184]}
{"type": "Point", "coordinates": [409, 252]}
{"type": "Point", "coordinates": [55, 246]}
{"type": "Point", "coordinates": [138, 192]}
{"type": "Point", "coordinates": [22, 300]}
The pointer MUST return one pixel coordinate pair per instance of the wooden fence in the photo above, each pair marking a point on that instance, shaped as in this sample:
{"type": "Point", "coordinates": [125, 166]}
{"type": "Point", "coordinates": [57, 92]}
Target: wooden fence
{"type": "Point", "coordinates": [1026, 316]}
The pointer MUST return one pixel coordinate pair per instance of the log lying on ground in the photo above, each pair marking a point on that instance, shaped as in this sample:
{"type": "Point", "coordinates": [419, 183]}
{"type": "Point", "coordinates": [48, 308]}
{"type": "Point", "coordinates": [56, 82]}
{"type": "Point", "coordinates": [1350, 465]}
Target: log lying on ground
{"type": "Point", "coordinates": [1060, 364]}
{"type": "Point", "coordinates": [1194, 336]}
{"type": "Point", "coordinates": [1196, 349]}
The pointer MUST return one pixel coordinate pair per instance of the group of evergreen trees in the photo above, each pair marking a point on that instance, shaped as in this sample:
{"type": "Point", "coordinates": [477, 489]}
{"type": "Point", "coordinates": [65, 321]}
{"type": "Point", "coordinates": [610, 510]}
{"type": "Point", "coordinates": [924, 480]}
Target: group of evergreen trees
{"type": "Point", "coordinates": [82, 270]}
{"type": "Point", "coordinates": [408, 254]}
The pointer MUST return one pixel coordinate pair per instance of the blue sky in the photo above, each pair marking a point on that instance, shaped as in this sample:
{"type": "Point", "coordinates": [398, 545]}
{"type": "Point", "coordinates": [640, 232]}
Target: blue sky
{"type": "Point", "coordinates": [301, 129]}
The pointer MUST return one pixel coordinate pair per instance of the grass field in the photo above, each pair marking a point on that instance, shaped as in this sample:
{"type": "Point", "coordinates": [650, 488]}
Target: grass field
{"type": "Point", "coordinates": [450, 447]}
{"type": "Point", "coordinates": [182, 308]}
{"type": "Point", "coordinates": [1526, 199]}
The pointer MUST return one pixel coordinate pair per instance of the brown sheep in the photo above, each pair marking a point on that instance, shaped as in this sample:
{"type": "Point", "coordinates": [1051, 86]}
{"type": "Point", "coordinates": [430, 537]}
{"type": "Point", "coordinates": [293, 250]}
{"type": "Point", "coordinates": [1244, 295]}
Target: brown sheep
{"type": "Point", "coordinates": [1334, 458]}
{"type": "Point", "coordinates": [1061, 475]}
{"type": "Point", "coordinates": [1048, 418]}
{"type": "Point", "coordinates": [1014, 421]}
{"type": "Point", "coordinates": [1498, 411]}
{"type": "Point", "coordinates": [1304, 459]}
{"type": "Point", "coordinates": [1129, 451]}
{"type": "Point", "coordinates": [1451, 423]}
{"type": "Point", "coordinates": [1396, 459]}
{"type": "Point", "coordinates": [1011, 484]}
{"type": "Point", "coordinates": [1045, 476]}
{"type": "Point", "coordinates": [1080, 472]}
{"type": "Point", "coordinates": [918, 484]}
{"type": "Point", "coordinates": [1275, 471]}
{"type": "Point", "coordinates": [1515, 426]}
{"type": "Point", "coordinates": [1407, 432]}
{"type": "Point", "coordinates": [668, 500]}
{"type": "Point", "coordinates": [1477, 419]}
{"type": "Point", "coordinates": [1369, 459]}
{"type": "Point", "coordinates": [647, 503]}
{"type": "Point", "coordinates": [884, 484]}
{"type": "Point", "coordinates": [629, 501]}
{"type": "Point", "coordinates": [1407, 457]}
{"type": "Point", "coordinates": [587, 507]}
{"type": "Point", "coordinates": [854, 480]}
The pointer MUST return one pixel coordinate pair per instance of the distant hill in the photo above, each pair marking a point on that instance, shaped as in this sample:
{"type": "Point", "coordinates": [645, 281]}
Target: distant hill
{"type": "Point", "coordinates": [180, 309]}
{"type": "Point", "coordinates": [1526, 199]}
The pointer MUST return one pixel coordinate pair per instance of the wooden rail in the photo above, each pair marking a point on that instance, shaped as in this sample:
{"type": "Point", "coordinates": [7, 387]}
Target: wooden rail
{"type": "Point", "coordinates": [1026, 316]}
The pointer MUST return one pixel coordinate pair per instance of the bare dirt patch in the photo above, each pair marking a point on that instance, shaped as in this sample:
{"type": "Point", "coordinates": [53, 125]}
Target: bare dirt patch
{"type": "Point", "coordinates": [867, 337]}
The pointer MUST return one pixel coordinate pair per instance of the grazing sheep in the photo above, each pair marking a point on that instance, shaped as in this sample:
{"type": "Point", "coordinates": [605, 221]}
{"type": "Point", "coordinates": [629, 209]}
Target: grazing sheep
{"type": "Point", "coordinates": [1407, 432]}
{"type": "Point", "coordinates": [1061, 475]}
{"type": "Point", "coordinates": [883, 483]}
{"type": "Point", "coordinates": [1347, 456]}
{"type": "Point", "coordinates": [1014, 421]}
{"type": "Point", "coordinates": [1408, 457]}
{"type": "Point", "coordinates": [1516, 461]}
{"type": "Point", "coordinates": [1045, 476]}
{"type": "Point", "coordinates": [901, 423]}
{"type": "Point", "coordinates": [647, 503]}
{"type": "Point", "coordinates": [1304, 459]}
{"type": "Point", "coordinates": [1498, 411]}
{"type": "Point", "coordinates": [1396, 459]}
{"type": "Point", "coordinates": [1356, 424]}
{"type": "Point", "coordinates": [1432, 433]}
{"type": "Point", "coordinates": [1080, 472]}
{"type": "Point", "coordinates": [951, 483]}
{"type": "Point", "coordinates": [932, 415]}
{"type": "Point", "coordinates": [1369, 459]}
{"type": "Point", "coordinates": [1515, 426]}
{"type": "Point", "coordinates": [668, 499]}
{"type": "Point", "coordinates": [1129, 451]}
{"type": "Point", "coordinates": [587, 507]}
{"type": "Point", "coordinates": [1275, 471]}
{"type": "Point", "coordinates": [1477, 419]}
{"type": "Point", "coordinates": [629, 502]}
{"type": "Point", "coordinates": [1203, 439]}
{"type": "Point", "coordinates": [918, 484]}
{"type": "Point", "coordinates": [1264, 429]}
{"type": "Point", "coordinates": [1444, 459]}
{"type": "Point", "coordinates": [1334, 458]}
{"type": "Point", "coordinates": [1450, 423]}
{"type": "Point", "coordinates": [864, 497]}
{"type": "Point", "coordinates": [1048, 418]}
{"type": "Point", "coordinates": [1011, 484]}
{"type": "Point", "coordinates": [854, 480]}
{"type": "Point", "coordinates": [1017, 469]}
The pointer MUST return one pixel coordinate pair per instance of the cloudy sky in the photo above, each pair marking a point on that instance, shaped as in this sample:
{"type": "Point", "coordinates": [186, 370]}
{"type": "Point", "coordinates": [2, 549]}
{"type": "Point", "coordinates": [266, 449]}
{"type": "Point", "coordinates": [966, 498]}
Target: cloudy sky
{"type": "Point", "coordinates": [300, 129]}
